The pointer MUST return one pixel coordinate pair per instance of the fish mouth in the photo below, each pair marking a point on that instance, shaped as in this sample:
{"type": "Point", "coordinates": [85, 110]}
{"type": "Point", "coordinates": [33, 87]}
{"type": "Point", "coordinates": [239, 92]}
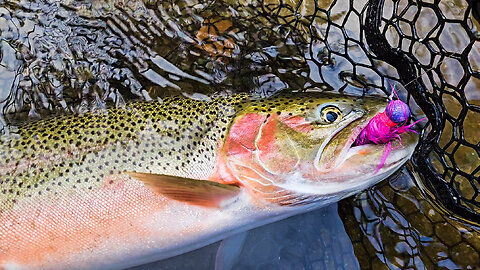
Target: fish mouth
{"type": "Point", "coordinates": [346, 150]}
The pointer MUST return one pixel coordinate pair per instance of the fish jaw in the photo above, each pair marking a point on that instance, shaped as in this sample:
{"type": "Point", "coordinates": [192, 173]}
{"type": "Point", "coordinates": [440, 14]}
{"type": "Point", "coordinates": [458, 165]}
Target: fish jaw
{"type": "Point", "coordinates": [361, 162]}
{"type": "Point", "coordinates": [323, 163]}
{"type": "Point", "coordinates": [340, 160]}
{"type": "Point", "coordinates": [355, 173]}
{"type": "Point", "coordinates": [356, 167]}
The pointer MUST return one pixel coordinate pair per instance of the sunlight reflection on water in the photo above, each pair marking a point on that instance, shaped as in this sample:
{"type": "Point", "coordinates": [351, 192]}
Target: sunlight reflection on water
{"type": "Point", "coordinates": [66, 56]}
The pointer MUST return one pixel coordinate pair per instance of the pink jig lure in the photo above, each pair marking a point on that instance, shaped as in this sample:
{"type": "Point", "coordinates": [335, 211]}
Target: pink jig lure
{"type": "Point", "coordinates": [387, 126]}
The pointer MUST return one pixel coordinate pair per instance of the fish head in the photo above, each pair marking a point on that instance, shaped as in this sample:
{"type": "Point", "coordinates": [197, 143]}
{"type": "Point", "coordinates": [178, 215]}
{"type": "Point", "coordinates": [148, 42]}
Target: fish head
{"type": "Point", "coordinates": [304, 144]}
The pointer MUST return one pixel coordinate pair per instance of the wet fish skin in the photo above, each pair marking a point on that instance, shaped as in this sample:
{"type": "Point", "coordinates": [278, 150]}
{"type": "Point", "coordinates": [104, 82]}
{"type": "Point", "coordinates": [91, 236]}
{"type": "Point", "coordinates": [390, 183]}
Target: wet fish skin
{"type": "Point", "coordinates": [66, 200]}
{"type": "Point", "coordinates": [68, 151]}
{"type": "Point", "coordinates": [176, 137]}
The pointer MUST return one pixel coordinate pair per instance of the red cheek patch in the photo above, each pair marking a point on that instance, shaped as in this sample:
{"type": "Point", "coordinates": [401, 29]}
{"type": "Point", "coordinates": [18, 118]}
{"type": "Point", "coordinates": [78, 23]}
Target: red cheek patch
{"type": "Point", "coordinates": [276, 155]}
{"type": "Point", "coordinates": [254, 138]}
{"type": "Point", "coordinates": [266, 143]}
{"type": "Point", "coordinates": [242, 135]}
{"type": "Point", "coordinates": [297, 123]}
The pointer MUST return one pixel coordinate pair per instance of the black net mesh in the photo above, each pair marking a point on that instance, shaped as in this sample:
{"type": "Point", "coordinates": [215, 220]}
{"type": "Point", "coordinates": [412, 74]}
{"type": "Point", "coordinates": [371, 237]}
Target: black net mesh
{"type": "Point", "coordinates": [433, 47]}
{"type": "Point", "coordinates": [72, 56]}
{"type": "Point", "coordinates": [395, 225]}
{"type": "Point", "coordinates": [82, 55]}
{"type": "Point", "coordinates": [447, 91]}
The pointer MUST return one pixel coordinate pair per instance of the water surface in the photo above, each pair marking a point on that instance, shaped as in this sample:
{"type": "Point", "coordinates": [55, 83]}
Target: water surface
{"type": "Point", "coordinates": [67, 56]}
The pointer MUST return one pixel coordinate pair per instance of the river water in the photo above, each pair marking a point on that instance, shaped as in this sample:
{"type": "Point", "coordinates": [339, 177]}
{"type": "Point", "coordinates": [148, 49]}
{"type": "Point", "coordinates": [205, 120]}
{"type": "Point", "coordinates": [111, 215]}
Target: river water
{"type": "Point", "coordinates": [68, 56]}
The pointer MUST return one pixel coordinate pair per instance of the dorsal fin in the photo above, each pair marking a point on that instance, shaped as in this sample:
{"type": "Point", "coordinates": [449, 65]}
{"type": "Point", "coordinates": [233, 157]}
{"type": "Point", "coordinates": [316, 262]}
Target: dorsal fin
{"type": "Point", "coordinates": [196, 192]}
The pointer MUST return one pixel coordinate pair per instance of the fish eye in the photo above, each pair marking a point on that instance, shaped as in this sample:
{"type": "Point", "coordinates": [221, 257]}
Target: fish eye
{"type": "Point", "coordinates": [330, 114]}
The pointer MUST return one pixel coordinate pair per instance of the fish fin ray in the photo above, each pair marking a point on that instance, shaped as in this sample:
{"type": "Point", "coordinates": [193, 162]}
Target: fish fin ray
{"type": "Point", "coordinates": [191, 191]}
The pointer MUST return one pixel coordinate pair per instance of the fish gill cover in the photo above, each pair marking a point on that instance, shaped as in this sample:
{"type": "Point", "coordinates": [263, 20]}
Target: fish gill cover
{"type": "Point", "coordinates": [75, 56]}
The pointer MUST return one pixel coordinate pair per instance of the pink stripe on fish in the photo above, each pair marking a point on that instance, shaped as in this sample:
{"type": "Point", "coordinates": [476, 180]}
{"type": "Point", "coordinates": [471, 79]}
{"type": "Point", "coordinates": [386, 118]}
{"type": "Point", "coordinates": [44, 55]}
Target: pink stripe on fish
{"type": "Point", "coordinates": [56, 227]}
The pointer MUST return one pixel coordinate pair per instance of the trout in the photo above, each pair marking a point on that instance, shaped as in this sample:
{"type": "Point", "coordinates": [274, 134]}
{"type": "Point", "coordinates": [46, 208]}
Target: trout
{"type": "Point", "coordinates": [150, 180]}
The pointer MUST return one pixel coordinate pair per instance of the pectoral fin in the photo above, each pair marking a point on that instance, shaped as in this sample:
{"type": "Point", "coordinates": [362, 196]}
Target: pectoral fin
{"type": "Point", "coordinates": [196, 192]}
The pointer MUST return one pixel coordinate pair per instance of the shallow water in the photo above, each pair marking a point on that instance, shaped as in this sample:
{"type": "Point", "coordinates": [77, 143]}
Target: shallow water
{"type": "Point", "coordinates": [391, 225]}
{"type": "Point", "coordinates": [73, 56]}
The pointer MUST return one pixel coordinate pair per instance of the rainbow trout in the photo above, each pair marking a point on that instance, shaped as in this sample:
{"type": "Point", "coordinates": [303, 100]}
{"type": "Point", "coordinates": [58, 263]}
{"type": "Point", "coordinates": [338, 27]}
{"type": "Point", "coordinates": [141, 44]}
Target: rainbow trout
{"type": "Point", "coordinates": [155, 179]}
